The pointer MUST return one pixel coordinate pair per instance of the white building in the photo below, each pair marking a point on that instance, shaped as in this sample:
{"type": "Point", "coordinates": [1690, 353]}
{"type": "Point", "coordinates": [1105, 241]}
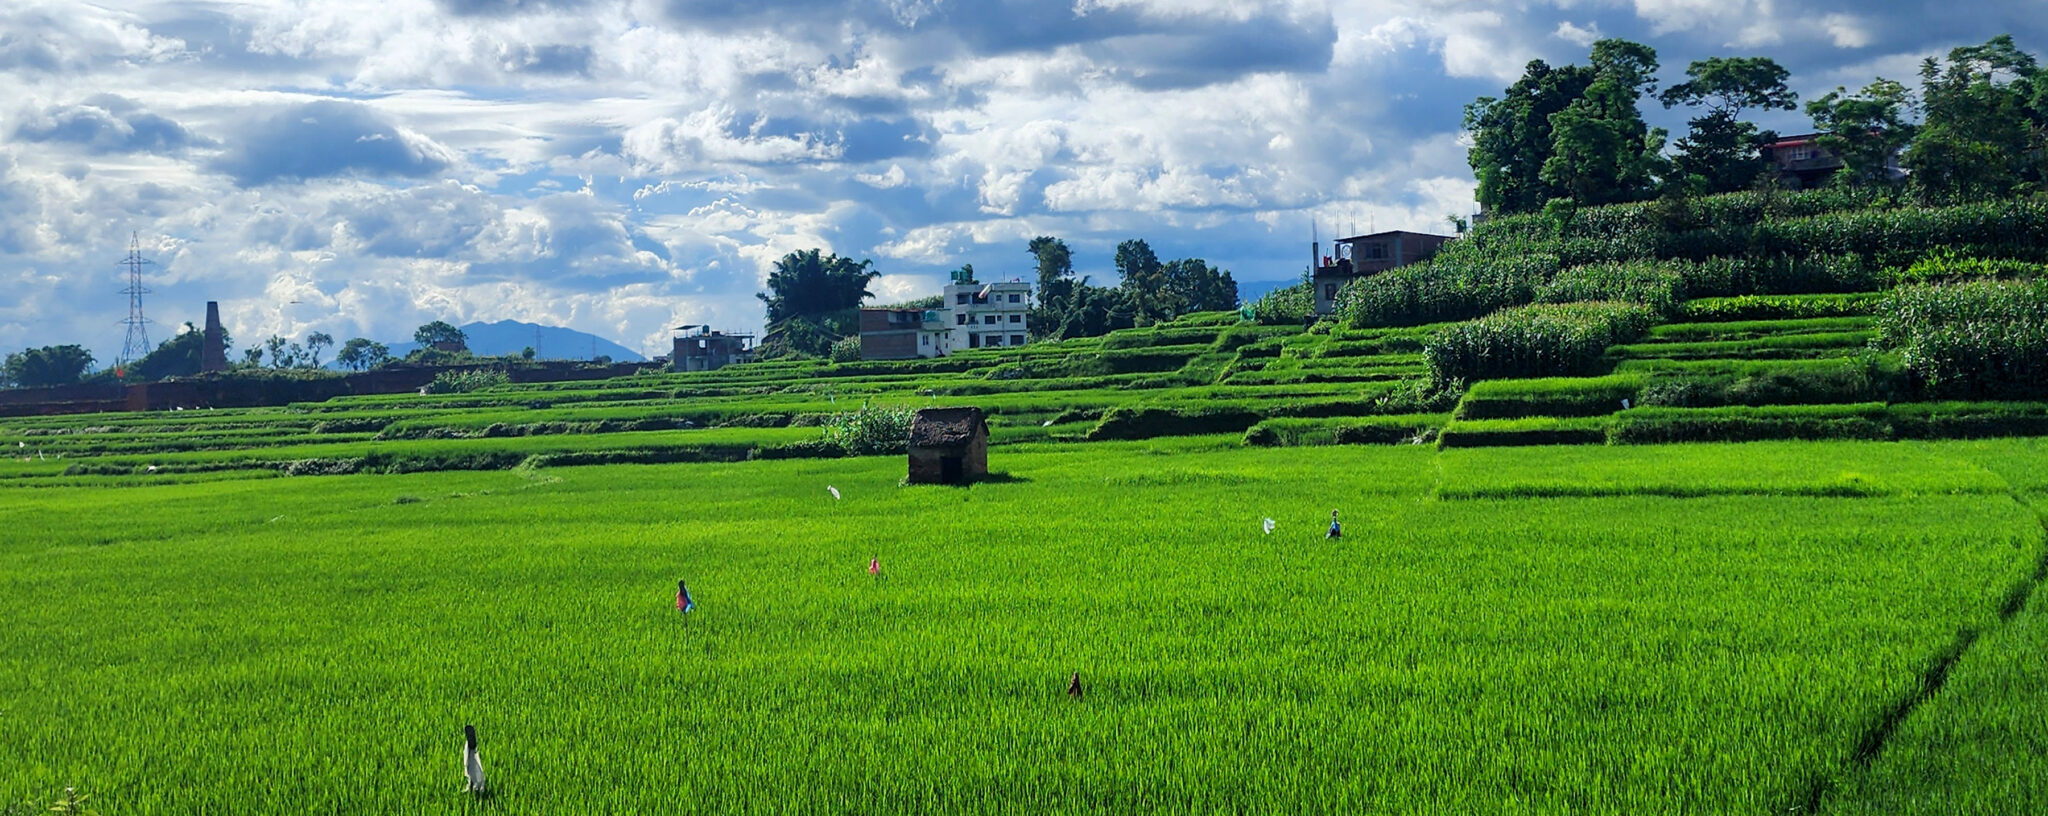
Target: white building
{"type": "Point", "coordinates": [987, 314]}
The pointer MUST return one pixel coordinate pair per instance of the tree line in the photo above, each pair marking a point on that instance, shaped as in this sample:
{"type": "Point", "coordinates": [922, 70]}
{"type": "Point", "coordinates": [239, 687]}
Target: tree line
{"type": "Point", "coordinates": [814, 298]}
{"type": "Point", "coordinates": [181, 356]}
{"type": "Point", "coordinates": [1575, 135]}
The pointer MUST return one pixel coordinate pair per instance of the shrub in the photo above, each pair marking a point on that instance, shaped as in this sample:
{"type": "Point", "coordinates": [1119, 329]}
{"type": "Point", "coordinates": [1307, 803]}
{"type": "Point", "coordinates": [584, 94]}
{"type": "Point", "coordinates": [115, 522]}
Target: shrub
{"type": "Point", "coordinates": [1285, 306]}
{"type": "Point", "coordinates": [1458, 284]}
{"type": "Point", "coordinates": [1984, 338]}
{"type": "Point", "coordinates": [1533, 341]}
{"type": "Point", "coordinates": [1652, 284]}
{"type": "Point", "coordinates": [871, 430]}
{"type": "Point", "coordinates": [467, 380]}
{"type": "Point", "coordinates": [1779, 307]}
{"type": "Point", "coordinates": [846, 350]}
{"type": "Point", "coordinates": [1949, 265]}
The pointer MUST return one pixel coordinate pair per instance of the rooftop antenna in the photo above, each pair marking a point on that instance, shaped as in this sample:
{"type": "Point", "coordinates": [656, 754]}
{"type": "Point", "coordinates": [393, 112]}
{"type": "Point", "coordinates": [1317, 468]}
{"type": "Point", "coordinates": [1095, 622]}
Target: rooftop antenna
{"type": "Point", "coordinates": [137, 345]}
{"type": "Point", "coordinates": [1315, 246]}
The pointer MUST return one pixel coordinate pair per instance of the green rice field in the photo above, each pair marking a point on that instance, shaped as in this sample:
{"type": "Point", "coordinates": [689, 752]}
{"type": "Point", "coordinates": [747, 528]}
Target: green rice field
{"type": "Point", "coordinates": [1771, 627]}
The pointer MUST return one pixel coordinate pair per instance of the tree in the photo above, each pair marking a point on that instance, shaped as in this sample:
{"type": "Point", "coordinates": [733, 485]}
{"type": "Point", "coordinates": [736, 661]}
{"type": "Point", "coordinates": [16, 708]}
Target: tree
{"type": "Point", "coordinates": [46, 366]}
{"type": "Point", "coordinates": [438, 332]}
{"type": "Point", "coordinates": [314, 343]}
{"type": "Point", "coordinates": [1722, 151]}
{"type": "Point", "coordinates": [176, 357]}
{"type": "Point", "coordinates": [1601, 150]}
{"type": "Point", "coordinates": [252, 356]}
{"type": "Point", "coordinates": [280, 356]}
{"type": "Point", "coordinates": [1982, 134]}
{"type": "Point", "coordinates": [1866, 128]}
{"type": "Point", "coordinates": [1511, 136]}
{"type": "Point", "coordinates": [526, 353]}
{"type": "Point", "coordinates": [360, 353]}
{"type": "Point", "coordinates": [1195, 286]}
{"type": "Point", "coordinates": [814, 299]}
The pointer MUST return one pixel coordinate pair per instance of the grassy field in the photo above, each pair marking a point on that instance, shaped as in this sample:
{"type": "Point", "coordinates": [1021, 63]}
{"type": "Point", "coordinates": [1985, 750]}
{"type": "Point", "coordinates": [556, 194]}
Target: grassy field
{"type": "Point", "coordinates": [1768, 627]}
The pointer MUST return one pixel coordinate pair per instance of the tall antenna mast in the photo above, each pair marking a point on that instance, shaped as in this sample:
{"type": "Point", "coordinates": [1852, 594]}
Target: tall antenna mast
{"type": "Point", "coordinates": [137, 345]}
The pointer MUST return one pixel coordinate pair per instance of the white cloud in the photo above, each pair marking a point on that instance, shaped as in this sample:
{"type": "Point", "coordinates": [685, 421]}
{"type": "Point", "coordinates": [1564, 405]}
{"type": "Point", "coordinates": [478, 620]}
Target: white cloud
{"type": "Point", "coordinates": [1581, 37]}
{"type": "Point", "coordinates": [1847, 30]}
{"type": "Point", "coordinates": [708, 139]}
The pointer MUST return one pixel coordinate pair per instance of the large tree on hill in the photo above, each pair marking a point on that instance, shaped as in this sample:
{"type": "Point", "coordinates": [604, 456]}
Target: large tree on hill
{"type": "Point", "coordinates": [46, 366]}
{"type": "Point", "coordinates": [1056, 287]}
{"type": "Point", "coordinates": [1601, 150]}
{"type": "Point", "coordinates": [438, 332]}
{"type": "Point", "coordinates": [1722, 152]}
{"type": "Point", "coordinates": [1511, 136]}
{"type": "Point", "coordinates": [1144, 283]}
{"type": "Point", "coordinates": [1983, 134]}
{"type": "Point", "coordinates": [359, 353]}
{"type": "Point", "coordinates": [814, 299]}
{"type": "Point", "coordinates": [1193, 285]}
{"type": "Point", "coordinates": [1866, 128]}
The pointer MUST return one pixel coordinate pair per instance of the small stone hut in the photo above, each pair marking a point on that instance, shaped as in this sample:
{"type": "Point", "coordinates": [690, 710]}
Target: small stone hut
{"type": "Point", "coordinates": [948, 446]}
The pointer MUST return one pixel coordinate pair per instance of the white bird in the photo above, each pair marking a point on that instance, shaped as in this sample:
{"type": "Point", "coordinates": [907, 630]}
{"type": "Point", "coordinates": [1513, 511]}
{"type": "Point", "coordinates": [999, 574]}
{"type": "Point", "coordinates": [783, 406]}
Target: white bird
{"type": "Point", "coordinates": [472, 765]}
{"type": "Point", "coordinates": [1269, 526]}
{"type": "Point", "coordinates": [832, 490]}
{"type": "Point", "coordinates": [1047, 424]}
{"type": "Point", "coordinates": [151, 468]}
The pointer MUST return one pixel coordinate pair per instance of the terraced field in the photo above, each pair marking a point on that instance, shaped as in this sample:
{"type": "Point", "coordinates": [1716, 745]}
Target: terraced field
{"type": "Point", "coordinates": [1540, 604]}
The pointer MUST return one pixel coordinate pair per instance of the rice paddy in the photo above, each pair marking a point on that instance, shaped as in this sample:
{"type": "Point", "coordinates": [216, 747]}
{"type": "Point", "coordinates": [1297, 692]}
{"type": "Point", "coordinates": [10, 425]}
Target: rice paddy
{"type": "Point", "coordinates": [1698, 628]}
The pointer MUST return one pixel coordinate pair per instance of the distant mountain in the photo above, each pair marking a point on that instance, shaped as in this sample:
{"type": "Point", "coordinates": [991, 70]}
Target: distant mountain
{"type": "Point", "coordinates": [552, 343]}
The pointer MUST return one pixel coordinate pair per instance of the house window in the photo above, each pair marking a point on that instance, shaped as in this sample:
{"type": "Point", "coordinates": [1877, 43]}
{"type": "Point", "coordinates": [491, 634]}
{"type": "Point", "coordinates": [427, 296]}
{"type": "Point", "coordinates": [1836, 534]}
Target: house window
{"type": "Point", "coordinates": [960, 299]}
{"type": "Point", "coordinates": [1375, 250]}
{"type": "Point", "coordinates": [960, 319]}
{"type": "Point", "coordinates": [989, 320]}
{"type": "Point", "coordinates": [1016, 298]}
{"type": "Point", "coordinates": [1016, 318]}
{"type": "Point", "coordinates": [1016, 339]}
{"type": "Point", "coordinates": [925, 340]}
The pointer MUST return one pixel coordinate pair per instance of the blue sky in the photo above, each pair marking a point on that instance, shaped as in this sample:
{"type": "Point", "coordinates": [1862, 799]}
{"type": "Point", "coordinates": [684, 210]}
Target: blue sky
{"type": "Point", "coordinates": [625, 166]}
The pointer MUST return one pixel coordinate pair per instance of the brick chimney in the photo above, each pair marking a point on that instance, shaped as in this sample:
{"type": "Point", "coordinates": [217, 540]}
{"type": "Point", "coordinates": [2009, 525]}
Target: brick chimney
{"type": "Point", "coordinates": [213, 355]}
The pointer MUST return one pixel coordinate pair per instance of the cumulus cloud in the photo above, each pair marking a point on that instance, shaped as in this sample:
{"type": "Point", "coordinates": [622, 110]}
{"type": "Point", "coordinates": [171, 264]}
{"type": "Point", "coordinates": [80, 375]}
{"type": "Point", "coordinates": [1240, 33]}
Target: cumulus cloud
{"type": "Point", "coordinates": [108, 123]}
{"type": "Point", "coordinates": [327, 138]}
{"type": "Point", "coordinates": [712, 136]}
{"type": "Point", "coordinates": [1581, 37]}
{"type": "Point", "coordinates": [623, 166]}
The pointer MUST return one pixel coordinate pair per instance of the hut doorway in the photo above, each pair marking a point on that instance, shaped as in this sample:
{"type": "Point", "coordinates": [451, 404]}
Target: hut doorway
{"type": "Point", "coordinates": [950, 470]}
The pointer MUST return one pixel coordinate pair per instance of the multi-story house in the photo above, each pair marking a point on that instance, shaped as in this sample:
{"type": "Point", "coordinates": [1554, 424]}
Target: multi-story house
{"type": "Point", "coordinates": [982, 315]}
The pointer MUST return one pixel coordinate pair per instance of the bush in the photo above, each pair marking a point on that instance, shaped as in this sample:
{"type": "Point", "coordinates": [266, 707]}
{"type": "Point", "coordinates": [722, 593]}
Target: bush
{"type": "Point", "coordinates": [1285, 306]}
{"type": "Point", "coordinates": [467, 380]}
{"type": "Point", "coordinates": [1534, 341]}
{"type": "Point", "coordinates": [1779, 307]}
{"type": "Point", "coordinates": [1978, 339]}
{"type": "Point", "coordinates": [846, 350]}
{"type": "Point", "coordinates": [1458, 284]}
{"type": "Point", "coordinates": [871, 430]}
{"type": "Point", "coordinates": [1652, 284]}
{"type": "Point", "coordinates": [1949, 265]}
